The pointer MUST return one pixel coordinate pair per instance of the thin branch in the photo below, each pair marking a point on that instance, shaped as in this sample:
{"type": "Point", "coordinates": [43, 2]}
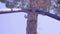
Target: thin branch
{"type": "Point", "coordinates": [37, 11]}
{"type": "Point", "coordinates": [49, 14]}
{"type": "Point", "coordinates": [7, 12]}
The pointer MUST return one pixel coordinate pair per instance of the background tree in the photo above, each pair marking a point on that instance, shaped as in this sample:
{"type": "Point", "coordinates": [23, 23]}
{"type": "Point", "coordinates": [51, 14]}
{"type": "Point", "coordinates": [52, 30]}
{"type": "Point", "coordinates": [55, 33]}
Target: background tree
{"type": "Point", "coordinates": [58, 7]}
{"type": "Point", "coordinates": [8, 3]}
{"type": "Point", "coordinates": [25, 4]}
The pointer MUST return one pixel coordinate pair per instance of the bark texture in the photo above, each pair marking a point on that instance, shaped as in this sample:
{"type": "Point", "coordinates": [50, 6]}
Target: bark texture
{"type": "Point", "coordinates": [32, 23]}
{"type": "Point", "coordinates": [39, 3]}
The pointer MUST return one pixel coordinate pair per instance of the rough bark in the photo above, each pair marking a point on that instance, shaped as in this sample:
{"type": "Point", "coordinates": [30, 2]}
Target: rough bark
{"type": "Point", "coordinates": [39, 3]}
{"type": "Point", "coordinates": [32, 23]}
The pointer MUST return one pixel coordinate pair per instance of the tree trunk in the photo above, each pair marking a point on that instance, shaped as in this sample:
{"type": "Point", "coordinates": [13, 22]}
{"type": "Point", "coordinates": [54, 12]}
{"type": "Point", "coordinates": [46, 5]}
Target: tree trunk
{"type": "Point", "coordinates": [32, 23]}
